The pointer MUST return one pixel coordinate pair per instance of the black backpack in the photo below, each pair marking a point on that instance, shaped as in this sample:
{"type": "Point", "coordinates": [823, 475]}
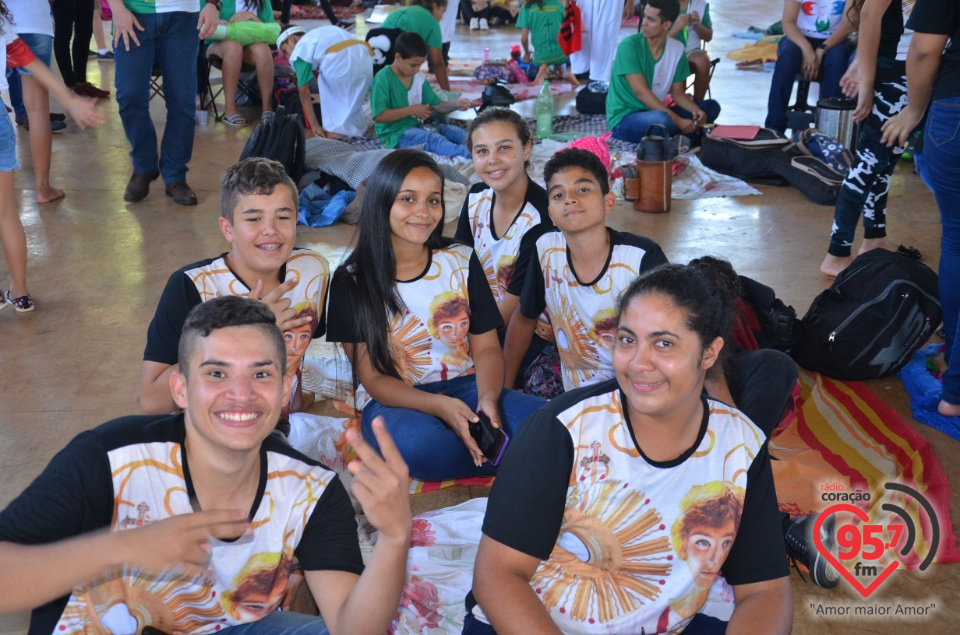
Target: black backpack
{"type": "Point", "coordinates": [590, 102]}
{"type": "Point", "coordinates": [496, 95]}
{"type": "Point", "coordinates": [880, 310]}
{"type": "Point", "coordinates": [281, 139]}
{"type": "Point", "coordinates": [779, 326]}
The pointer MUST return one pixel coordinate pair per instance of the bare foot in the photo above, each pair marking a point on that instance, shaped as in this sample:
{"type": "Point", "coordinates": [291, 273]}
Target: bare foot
{"type": "Point", "coordinates": [573, 79]}
{"type": "Point", "coordinates": [49, 194]}
{"type": "Point", "coordinates": [870, 244]}
{"type": "Point", "coordinates": [541, 75]}
{"type": "Point", "coordinates": [833, 265]}
{"type": "Point", "coordinates": [948, 409]}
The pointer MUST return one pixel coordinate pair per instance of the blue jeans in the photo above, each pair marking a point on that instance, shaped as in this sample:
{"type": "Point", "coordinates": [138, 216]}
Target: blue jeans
{"type": "Point", "coordinates": [939, 165]}
{"type": "Point", "coordinates": [633, 127]}
{"type": "Point", "coordinates": [432, 450]}
{"type": "Point", "coordinates": [282, 623]}
{"type": "Point", "coordinates": [789, 60]}
{"type": "Point", "coordinates": [172, 41]}
{"type": "Point", "coordinates": [450, 142]}
{"type": "Point", "coordinates": [8, 144]}
{"type": "Point", "coordinates": [40, 45]}
{"type": "Point", "coordinates": [700, 625]}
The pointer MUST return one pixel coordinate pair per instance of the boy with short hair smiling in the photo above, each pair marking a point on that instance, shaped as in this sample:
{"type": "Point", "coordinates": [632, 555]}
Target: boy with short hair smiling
{"type": "Point", "coordinates": [401, 97]}
{"type": "Point", "coordinates": [577, 272]}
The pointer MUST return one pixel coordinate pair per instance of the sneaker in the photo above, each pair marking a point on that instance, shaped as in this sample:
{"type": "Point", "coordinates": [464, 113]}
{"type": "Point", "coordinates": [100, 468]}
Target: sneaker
{"type": "Point", "coordinates": [484, 25]}
{"type": "Point", "coordinates": [474, 24]}
{"type": "Point", "coordinates": [57, 122]}
{"type": "Point", "coordinates": [23, 304]}
{"type": "Point", "coordinates": [801, 549]}
{"type": "Point", "coordinates": [105, 57]}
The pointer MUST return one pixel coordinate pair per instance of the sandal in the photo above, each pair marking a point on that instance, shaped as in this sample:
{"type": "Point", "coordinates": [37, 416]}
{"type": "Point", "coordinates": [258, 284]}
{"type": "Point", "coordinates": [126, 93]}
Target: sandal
{"type": "Point", "coordinates": [910, 252]}
{"type": "Point", "coordinates": [267, 116]}
{"type": "Point", "coordinates": [237, 120]}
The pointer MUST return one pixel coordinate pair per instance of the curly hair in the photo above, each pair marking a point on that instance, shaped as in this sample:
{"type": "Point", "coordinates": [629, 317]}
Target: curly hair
{"type": "Point", "coordinates": [712, 505]}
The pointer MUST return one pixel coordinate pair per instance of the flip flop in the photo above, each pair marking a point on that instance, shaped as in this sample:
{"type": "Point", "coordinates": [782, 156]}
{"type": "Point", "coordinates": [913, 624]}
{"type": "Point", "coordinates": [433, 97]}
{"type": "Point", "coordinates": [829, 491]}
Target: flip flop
{"type": "Point", "coordinates": [237, 120]}
{"type": "Point", "coordinates": [910, 252]}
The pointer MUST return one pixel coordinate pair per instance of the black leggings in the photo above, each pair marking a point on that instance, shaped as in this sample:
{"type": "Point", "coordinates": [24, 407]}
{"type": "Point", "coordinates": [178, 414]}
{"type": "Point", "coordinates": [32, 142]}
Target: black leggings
{"type": "Point", "coordinates": [72, 18]}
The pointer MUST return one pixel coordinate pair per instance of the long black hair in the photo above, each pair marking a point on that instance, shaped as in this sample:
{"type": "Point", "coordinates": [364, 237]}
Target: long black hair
{"type": "Point", "coordinates": [371, 269]}
{"type": "Point", "coordinates": [6, 18]}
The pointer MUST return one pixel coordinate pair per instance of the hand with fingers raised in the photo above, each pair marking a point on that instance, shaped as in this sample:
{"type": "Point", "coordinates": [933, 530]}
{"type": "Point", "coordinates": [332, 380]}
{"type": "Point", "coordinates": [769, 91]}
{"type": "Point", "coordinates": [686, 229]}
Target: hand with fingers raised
{"type": "Point", "coordinates": [382, 483]}
{"type": "Point", "coordinates": [282, 307]}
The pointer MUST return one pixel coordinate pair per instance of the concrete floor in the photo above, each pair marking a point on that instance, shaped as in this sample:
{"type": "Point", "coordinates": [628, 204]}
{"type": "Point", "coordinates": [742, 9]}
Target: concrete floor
{"type": "Point", "coordinates": [97, 266]}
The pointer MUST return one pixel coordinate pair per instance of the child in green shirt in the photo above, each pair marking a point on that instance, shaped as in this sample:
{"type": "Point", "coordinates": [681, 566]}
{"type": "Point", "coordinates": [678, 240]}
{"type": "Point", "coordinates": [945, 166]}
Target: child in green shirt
{"type": "Point", "coordinates": [401, 98]}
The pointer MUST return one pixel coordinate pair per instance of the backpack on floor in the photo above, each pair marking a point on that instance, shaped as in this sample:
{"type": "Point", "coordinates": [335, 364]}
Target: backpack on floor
{"type": "Point", "coordinates": [591, 102]}
{"type": "Point", "coordinates": [814, 177]}
{"type": "Point", "coordinates": [868, 324]}
{"type": "Point", "coordinates": [748, 160]}
{"type": "Point", "coordinates": [382, 42]}
{"type": "Point", "coordinates": [281, 139]}
{"type": "Point", "coordinates": [777, 322]}
{"type": "Point", "coordinates": [496, 95]}
{"type": "Point", "coordinates": [815, 143]}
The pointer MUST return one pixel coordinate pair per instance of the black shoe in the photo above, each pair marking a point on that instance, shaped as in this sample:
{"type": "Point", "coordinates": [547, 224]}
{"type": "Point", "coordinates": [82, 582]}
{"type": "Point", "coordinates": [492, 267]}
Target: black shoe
{"type": "Point", "coordinates": [57, 116]}
{"type": "Point", "coordinates": [139, 186]}
{"type": "Point", "coordinates": [801, 548]}
{"type": "Point", "coordinates": [181, 193]}
{"type": "Point", "coordinates": [56, 125]}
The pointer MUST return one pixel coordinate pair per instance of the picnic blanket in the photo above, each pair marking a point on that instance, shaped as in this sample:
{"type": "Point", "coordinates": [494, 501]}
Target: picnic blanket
{"type": "Point", "coordinates": [756, 53]}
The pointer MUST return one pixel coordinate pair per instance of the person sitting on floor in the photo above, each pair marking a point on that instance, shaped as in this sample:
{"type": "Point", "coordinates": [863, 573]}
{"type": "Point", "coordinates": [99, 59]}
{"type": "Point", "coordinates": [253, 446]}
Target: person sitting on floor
{"type": "Point", "coordinates": [344, 72]}
{"type": "Point", "coordinates": [423, 17]}
{"type": "Point", "coordinates": [693, 27]}
{"type": "Point", "coordinates": [815, 44]}
{"type": "Point", "coordinates": [649, 67]}
{"type": "Point", "coordinates": [419, 325]}
{"type": "Point", "coordinates": [542, 19]}
{"type": "Point", "coordinates": [401, 98]}
{"type": "Point", "coordinates": [258, 217]}
{"type": "Point", "coordinates": [235, 55]}
{"type": "Point", "coordinates": [575, 273]}
{"type": "Point", "coordinates": [617, 505]}
{"type": "Point", "coordinates": [190, 523]}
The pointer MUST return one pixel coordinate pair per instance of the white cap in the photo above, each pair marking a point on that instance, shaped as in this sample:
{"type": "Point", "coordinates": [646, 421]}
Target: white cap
{"type": "Point", "coordinates": [294, 30]}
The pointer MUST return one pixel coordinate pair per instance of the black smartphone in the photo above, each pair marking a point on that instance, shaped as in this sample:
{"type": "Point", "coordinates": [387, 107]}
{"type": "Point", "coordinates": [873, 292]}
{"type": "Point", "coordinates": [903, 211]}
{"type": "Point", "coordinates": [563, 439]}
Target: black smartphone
{"type": "Point", "coordinates": [492, 441]}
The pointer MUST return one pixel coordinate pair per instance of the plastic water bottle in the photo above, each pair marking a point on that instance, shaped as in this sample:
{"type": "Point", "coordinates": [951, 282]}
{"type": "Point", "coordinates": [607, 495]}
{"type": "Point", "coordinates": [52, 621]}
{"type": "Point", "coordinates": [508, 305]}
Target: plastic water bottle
{"type": "Point", "coordinates": [545, 112]}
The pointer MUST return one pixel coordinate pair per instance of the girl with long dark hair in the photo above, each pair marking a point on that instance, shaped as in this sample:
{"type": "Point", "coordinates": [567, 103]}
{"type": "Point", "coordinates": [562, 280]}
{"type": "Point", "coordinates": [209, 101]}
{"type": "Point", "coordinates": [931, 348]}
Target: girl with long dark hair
{"type": "Point", "coordinates": [418, 321]}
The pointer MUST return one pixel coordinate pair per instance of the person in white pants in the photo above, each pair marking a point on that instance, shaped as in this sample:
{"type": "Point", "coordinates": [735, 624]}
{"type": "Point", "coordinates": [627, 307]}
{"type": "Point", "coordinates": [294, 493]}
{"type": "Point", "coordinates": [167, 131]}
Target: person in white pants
{"type": "Point", "coordinates": [600, 21]}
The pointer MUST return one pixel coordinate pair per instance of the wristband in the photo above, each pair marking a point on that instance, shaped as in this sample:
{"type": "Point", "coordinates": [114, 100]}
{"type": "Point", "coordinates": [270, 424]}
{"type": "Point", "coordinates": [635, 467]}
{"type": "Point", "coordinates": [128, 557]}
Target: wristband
{"type": "Point", "coordinates": [217, 3]}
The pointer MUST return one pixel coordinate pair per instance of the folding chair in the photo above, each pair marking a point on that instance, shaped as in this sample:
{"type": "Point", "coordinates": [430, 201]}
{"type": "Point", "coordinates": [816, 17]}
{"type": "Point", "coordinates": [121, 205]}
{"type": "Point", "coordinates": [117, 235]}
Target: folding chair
{"type": "Point", "coordinates": [801, 114]}
{"type": "Point", "coordinates": [245, 87]}
{"type": "Point", "coordinates": [205, 95]}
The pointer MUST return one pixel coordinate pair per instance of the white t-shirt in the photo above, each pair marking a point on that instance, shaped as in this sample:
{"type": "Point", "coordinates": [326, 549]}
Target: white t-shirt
{"type": "Point", "coordinates": [6, 37]}
{"type": "Point", "coordinates": [31, 16]}
{"type": "Point", "coordinates": [819, 18]}
{"type": "Point", "coordinates": [448, 23]}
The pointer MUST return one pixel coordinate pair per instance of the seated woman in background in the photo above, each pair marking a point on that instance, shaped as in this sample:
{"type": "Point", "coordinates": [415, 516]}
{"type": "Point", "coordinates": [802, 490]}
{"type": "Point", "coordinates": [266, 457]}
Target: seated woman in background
{"type": "Point", "coordinates": [419, 324]}
{"type": "Point", "coordinates": [235, 55]}
{"type": "Point", "coordinates": [815, 44]}
{"type": "Point", "coordinates": [617, 504]}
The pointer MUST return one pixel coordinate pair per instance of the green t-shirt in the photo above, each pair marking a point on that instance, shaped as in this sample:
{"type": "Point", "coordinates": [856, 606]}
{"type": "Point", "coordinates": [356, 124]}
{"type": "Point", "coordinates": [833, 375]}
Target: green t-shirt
{"type": "Point", "coordinates": [417, 19]}
{"type": "Point", "coordinates": [705, 20]}
{"type": "Point", "coordinates": [544, 24]}
{"type": "Point", "coordinates": [163, 6]}
{"type": "Point", "coordinates": [634, 58]}
{"type": "Point", "coordinates": [387, 93]}
{"type": "Point", "coordinates": [230, 9]}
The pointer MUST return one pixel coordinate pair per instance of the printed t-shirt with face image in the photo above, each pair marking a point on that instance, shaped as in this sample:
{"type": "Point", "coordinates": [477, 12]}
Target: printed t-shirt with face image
{"type": "Point", "coordinates": [389, 92]}
{"type": "Point", "coordinates": [634, 58]}
{"type": "Point", "coordinates": [447, 302]}
{"type": "Point", "coordinates": [213, 278]}
{"type": "Point", "coordinates": [630, 544]}
{"type": "Point", "coordinates": [132, 472]}
{"type": "Point", "coordinates": [583, 314]}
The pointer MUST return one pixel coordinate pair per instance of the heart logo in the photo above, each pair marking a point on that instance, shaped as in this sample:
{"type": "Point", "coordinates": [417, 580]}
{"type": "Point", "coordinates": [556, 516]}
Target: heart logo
{"type": "Point", "coordinates": [832, 559]}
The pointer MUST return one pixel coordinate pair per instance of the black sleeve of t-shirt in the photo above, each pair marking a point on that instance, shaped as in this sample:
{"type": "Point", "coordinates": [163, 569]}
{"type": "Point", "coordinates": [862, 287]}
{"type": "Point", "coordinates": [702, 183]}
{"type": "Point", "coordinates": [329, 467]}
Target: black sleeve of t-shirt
{"type": "Point", "coordinates": [938, 17]}
{"type": "Point", "coordinates": [464, 233]}
{"type": "Point", "coordinates": [329, 541]}
{"type": "Point", "coordinates": [653, 255]}
{"type": "Point", "coordinates": [528, 250]}
{"type": "Point", "coordinates": [484, 314]}
{"type": "Point", "coordinates": [341, 313]}
{"type": "Point", "coordinates": [528, 497]}
{"type": "Point", "coordinates": [758, 551]}
{"type": "Point", "coordinates": [533, 296]}
{"type": "Point", "coordinates": [163, 336]}
{"type": "Point", "coordinates": [321, 329]}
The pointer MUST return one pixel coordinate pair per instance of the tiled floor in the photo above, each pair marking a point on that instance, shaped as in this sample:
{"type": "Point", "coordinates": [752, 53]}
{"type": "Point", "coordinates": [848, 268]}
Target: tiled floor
{"type": "Point", "coordinates": [97, 266]}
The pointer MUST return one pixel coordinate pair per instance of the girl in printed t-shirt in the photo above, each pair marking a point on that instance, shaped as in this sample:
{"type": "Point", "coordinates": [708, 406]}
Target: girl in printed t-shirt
{"type": "Point", "coordinates": [617, 505]}
{"type": "Point", "coordinates": [419, 325]}
{"type": "Point", "coordinates": [503, 216]}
